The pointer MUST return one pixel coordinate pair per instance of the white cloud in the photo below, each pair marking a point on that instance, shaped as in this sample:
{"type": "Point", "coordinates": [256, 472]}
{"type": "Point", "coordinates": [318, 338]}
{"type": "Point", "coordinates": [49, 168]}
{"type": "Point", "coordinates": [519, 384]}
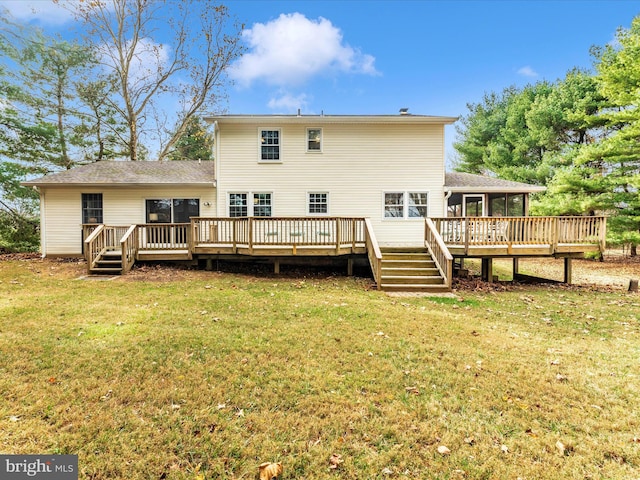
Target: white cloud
{"type": "Point", "coordinates": [288, 102]}
{"type": "Point", "coordinates": [527, 71]}
{"type": "Point", "coordinates": [40, 11]}
{"type": "Point", "coordinates": [291, 49]}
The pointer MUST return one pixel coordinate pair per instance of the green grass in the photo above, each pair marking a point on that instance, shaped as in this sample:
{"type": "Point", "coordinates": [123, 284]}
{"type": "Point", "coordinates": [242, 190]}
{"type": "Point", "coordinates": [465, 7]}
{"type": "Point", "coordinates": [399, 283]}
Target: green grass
{"type": "Point", "coordinates": [210, 376]}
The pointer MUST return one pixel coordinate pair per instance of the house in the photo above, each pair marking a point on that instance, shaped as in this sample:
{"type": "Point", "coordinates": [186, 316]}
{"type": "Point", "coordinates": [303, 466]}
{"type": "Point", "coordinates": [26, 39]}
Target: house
{"type": "Point", "coordinates": [284, 187]}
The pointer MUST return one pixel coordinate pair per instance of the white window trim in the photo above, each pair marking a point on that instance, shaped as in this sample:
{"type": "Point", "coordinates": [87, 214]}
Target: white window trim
{"type": "Point", "coordinates": [405, 206]}
{"type": "Point", "coordinates": [259, 135]}
{"type": "Point", "coordinates": [252, 194]}
{"type": "Point", "coordinates": [250, 204]}
{"type": "Point", "coordinates": [315, 214]}
{"type": "Point", "coordinates": [306, 140]}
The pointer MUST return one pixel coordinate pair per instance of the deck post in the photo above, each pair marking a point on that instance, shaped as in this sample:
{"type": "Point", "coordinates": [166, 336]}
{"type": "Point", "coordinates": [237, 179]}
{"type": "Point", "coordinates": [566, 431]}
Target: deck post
{"type": "Point", "coordinates": [567, 270]}
{"type": "Point", "coordinates": [487, 269]}
{"type": "Point", "coordinates": [516, 264]}
{"type": "Point", "coordinates": [338, 235]}
{"type": "Point", "coordinates": [350, 267]}
{"type": "Point", "coordinates": [276, 266]}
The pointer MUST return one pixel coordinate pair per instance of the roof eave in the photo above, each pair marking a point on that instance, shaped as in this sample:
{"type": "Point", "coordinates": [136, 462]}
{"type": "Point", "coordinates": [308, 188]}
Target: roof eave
{"type": "Point", "coordinates": [328, 119]}
{"type": "Point", "coordinates": [531, 189]}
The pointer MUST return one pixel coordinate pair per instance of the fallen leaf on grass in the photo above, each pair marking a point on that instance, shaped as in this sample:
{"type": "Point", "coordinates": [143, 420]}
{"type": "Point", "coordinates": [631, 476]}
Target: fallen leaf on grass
{"type": "Point", "coordinates": [469, 440]}
{"type": "Point", "coordinates": [387, 471]}
{"type": "Point", "coordinates": [269, 470]}
{"type": "Point", "coordinates": [560, 447]}
{"type": "Point", "coordinates": [442, 450]}
{"type": "Point", "coordinates": [335, 460]}
{"type": "Point", "coordinates": [412, 390]}
{"type": "Point", "coordinates": [561, 378]}
{"type": "Point", "coordinates": [504, 449]}
{"type": "Point", "coordinates": [14, 418]}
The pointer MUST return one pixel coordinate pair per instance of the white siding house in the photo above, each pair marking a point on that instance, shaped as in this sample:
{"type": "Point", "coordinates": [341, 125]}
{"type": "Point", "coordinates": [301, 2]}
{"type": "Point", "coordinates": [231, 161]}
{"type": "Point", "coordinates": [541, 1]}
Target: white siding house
{"type": "Point", "coordinates": [389, 169]}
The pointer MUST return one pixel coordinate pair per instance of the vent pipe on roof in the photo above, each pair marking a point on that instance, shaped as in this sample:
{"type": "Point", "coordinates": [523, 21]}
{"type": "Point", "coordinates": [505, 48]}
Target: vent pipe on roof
{"type": "Point", "coordinates": [298, 112]}
{"type": "Point", "coordinates": [404, 111]}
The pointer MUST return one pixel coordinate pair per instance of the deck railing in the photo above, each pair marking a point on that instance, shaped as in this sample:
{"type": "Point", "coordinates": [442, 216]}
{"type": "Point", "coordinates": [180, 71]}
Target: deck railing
{"type": "Point", "coordinates": [373, 252]}
{"type": "Point", "coordinates": [438, 250]}
{"type": "Point", "coordinates": [254, 232]}
{"type": "Point", "coordinates": [128, 244]}
{"type": "Point", "coordinates": [103, 238]}
{"type": "Point", "coordinates": [552, 231]}
{"type": "Point", "coordinates": [163, 236]}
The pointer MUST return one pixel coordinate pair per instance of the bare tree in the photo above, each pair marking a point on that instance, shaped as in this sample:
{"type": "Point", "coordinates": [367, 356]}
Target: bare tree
{"type": "Point", "coordinates": [190, 71]}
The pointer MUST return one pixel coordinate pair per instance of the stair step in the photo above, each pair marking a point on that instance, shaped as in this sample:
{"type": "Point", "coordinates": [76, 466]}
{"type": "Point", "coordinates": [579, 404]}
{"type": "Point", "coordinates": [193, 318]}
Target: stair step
{"type": "Point", "coordinates": [415, 288]}
{"type": "Point", "coordinates": [410, 271]}
{"type": "Point", "coordinates": [409, 280]}
{"type": "Point", "coordinates": [105, 270]}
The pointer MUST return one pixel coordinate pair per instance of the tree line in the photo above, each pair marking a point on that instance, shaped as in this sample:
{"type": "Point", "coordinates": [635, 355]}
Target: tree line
{"type": "Point", "coordinates": [579, 136]}
{"type": "Point", "coordinates": [104, 94]}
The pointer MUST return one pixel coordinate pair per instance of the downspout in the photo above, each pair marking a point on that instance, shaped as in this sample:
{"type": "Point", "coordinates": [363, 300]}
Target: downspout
{"type": "Point", "coordinates": [446, 202]}
{"type": "Point", "coordinates": [43, 242]}
{"type": "Point", "coordinates": [216, 159]}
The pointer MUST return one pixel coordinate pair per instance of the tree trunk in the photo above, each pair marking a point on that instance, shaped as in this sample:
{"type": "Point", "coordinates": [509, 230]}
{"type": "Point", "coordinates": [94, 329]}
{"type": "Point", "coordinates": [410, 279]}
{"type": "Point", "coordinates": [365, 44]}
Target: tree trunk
{"type": "Point", "coordinates": [634, 251]}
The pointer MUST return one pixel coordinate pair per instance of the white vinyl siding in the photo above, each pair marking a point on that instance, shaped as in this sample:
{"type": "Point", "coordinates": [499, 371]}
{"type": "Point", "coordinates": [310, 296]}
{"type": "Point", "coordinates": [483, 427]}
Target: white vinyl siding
{"type": "Point", "coordinates": [359, 162]}
{"type": "Point", "coordinates": [62, 210]}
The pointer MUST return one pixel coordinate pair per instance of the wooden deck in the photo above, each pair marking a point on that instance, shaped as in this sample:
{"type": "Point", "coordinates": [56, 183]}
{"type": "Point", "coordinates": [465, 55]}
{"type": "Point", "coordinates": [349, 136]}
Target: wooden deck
{"type": "Point", "coordinates": [281, 238]}
{"type": "Point", "coordinates": [522, 236]}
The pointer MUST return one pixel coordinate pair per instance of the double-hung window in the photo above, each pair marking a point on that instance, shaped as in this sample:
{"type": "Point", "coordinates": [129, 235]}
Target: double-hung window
{"type": "Point", "coordinates": [238, 205]}
{"type": "Point", "coordinates": [91, 208]}
{"type": "Point", "coordinates": [318, 203]}
{"type": "Point", "coordinates": [405, 205]}
{"type": "Point", "coordinates": [260, 206]}
{"type": "Point", "coordinates": [269, 145]}
{"type": "Point", "coordinates": [314, 140]}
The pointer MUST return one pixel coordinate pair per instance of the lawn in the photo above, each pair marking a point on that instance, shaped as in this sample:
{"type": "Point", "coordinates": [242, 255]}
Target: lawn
{"type": "Point", "coordinates": [206, 375]}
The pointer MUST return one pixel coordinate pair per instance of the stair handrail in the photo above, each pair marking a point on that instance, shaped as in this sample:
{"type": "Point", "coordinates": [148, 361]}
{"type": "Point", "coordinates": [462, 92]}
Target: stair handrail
{"type": "Point", "coordinates": [439, 251]}
{"type": "Point", "coordinates": [373, 252]}
{"type": "Point", "coordinates": [95, 245]}
{"type": "Point", "coordinates": [129, 248]}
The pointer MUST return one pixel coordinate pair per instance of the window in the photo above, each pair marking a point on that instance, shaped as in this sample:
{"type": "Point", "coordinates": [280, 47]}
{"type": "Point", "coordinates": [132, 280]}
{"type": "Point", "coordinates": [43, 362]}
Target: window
{"type": "Point", "coordinates": [237, 204]}
{"type": "Point", "coordinates": [92, 208]}
{"type": "Point", "coordinates": [506, 204]}
{"type": "Point", "coordinates": [262, 204]}
{"type": "Point", "coordinates": [417, 204]}
{"type": "Point", "coordinates": [394, 205]}
{"type": "Point", "coordinates": [318, 203]}
{"type": "Point", "coordinates": [405, 205]}
{"type": "Point", "coordinates": [168, 210]}
{"type": "Point", "coordinates": [314, 139]}
{"type": "Point", "coordinates": [269, 144]}
{"type": "Point", "coordinates": [473, 205]}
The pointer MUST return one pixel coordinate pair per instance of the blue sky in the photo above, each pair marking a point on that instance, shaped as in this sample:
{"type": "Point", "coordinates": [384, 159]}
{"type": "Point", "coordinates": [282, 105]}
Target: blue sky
{"type": "Point", "coordinates": [374, 57]}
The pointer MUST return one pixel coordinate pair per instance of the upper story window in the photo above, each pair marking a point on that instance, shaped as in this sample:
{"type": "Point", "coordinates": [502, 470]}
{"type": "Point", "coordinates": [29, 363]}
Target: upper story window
{"type": "Point", "coordinates": [270, 145]}
{"type": "Point", "coordinates": [314, 139]}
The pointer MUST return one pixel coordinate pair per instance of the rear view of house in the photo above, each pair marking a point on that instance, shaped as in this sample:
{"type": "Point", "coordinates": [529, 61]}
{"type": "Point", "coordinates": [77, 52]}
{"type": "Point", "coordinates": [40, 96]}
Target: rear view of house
{"type": "Point", "coordinates": [288, 187]}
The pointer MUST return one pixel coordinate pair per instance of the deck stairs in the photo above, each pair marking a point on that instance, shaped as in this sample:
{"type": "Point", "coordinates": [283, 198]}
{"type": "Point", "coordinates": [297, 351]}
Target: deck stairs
{"type": "Point", "coordinates": [108, 263]}
{"type": "Point", "coordinates": [410, 269]}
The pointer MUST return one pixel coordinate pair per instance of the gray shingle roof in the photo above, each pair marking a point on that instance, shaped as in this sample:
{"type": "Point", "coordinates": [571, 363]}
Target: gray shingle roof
{"type": "Point", "coordinates": [132, 173]}
{"type": "Point", "coordinates": [468, 182]}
